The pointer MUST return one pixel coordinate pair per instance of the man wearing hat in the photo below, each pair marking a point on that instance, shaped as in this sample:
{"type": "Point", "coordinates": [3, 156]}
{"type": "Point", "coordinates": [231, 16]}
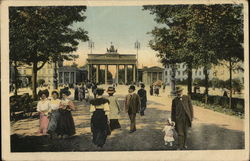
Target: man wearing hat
{"type": "Point", "coordinates": [143, 95]}
{"type": "Point", "coordinates": [132, 106]}
{"type": "Point", "coordinates": [182, 115]}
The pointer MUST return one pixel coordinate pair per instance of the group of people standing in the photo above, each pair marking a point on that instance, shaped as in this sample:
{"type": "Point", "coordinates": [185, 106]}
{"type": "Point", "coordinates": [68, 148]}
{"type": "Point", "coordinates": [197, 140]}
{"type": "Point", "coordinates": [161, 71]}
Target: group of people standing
{"type": "Point", "coordinates": [154, 90]}
{"type": "Point", "coordinates": [55, 114]}
{"type": "Point", "coordinates": [56, 118]}
{"type": "Point", "coordinates": [105, 112]}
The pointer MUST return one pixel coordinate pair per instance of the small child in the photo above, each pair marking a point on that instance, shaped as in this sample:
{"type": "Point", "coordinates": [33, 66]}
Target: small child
{"type": "Point", "coordinates": [169, 132]}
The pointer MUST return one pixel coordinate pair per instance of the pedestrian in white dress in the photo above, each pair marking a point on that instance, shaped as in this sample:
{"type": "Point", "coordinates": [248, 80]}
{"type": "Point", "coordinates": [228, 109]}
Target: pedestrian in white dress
{"type": "Point", "coordinates": [43, 107]}
{"type": "Point", "coordinates": [169, 132]}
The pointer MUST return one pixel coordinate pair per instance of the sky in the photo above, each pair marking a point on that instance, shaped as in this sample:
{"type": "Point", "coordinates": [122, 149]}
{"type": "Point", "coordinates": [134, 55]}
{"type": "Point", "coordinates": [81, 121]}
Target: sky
{"type": "Point", "coordinates": [121, 25]}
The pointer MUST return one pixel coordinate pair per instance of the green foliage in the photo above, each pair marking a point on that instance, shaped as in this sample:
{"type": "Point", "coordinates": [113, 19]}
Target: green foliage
{"type": "Point", "coordinates": [199, 35]}
{"type": "Point", "coordinates": [22, 105]}
{"type": "Point", "coordinates": [183, 82]}
{"type": "Point", "coordinates": [41, 34]}
{"type": "Point", "coordinates": [38, 35]}
{"type": "Point", "coordinates": [238, 109]}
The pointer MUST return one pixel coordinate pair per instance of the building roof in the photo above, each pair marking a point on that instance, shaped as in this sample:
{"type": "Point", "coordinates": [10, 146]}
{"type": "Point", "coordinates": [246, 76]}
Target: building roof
{"type": "Point", "coordinates": [153, 69]}
{"type": "Point", "coordinates": [68, 68]}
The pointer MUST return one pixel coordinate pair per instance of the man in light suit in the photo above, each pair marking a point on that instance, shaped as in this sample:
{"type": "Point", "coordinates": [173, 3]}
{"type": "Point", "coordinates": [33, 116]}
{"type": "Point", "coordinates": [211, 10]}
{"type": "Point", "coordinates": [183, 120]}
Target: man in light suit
{"type": "Point", "coordinates": [182, 115]}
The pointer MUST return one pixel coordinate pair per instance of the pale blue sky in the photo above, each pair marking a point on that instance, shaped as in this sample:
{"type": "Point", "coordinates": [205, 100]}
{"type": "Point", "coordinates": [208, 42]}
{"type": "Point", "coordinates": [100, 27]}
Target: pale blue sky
{"type": "Point", "coordinates": [122, 25]}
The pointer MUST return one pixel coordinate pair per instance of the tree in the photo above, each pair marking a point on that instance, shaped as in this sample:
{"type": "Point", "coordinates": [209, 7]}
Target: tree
{"type": "Point", "coordinates": [230, 39]}
{"type": "Point", "coordinates": [200, 34]}
{"type": "Point", "coordinates": [44, 34]}
{"type": "Point", "coordinates": [171, 40]}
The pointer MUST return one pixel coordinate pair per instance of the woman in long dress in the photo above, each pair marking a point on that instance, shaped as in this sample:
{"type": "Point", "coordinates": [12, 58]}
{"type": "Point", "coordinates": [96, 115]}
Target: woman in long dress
{"type": "Point", "coordinates": [151, 90]}
{"type": "Point", "coordinates": [54, 114]}
{"type": "Point", "coordinates": [114, 109]}
{"type": "Point", "coordinates": [66, 125]}
{"type": "Point", "coordinates": [43, 107]}
{"type": "Point", "coordinates": [99, 109]}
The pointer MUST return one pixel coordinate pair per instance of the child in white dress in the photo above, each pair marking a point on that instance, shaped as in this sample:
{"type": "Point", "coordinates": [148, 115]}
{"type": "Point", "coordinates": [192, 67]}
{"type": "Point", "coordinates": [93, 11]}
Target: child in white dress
{"type": "Point", "coordinates": [169, 132]}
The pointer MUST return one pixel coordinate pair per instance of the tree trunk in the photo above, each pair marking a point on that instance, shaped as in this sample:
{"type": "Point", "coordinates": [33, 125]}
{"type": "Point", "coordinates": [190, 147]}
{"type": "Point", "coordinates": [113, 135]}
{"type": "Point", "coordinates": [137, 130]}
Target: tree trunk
{"type": "Point", "coordinates": [189, 70]}
{"type": "Point", "coordinates": [230, 83]}
{"type": "Point", "coordinates": [15, 78]}
{"type": "Point", "coordinates": [55, 76]}
{"type": "Point", "coordinates": [206, 83]}
{"type": "Point", "coordinates": [172, 80]}
{"type": "Point", "coordinates": [34, 80]}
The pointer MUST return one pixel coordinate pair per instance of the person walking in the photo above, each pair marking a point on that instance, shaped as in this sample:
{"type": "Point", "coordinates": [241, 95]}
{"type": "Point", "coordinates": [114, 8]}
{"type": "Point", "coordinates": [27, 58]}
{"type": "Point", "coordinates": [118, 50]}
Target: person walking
{"type": "Point", "coordinates": [132, 106]}
{"type": "Point", "coordinates": [114, 109]}
{"type": "Point", "coordinates": [143, 96]}
{"type": "Point", "coordinates": [151, 90]}
{"type": "Point", "coordinates": [80, 93]}
{"type": "Point", "coordinates": [182, 115]}
{"type": "Point", "coordinates": [54, 114]}
{"type": "Point", "coordinates": [83, 91]}
{"type": "Point", "coordinates": [94, 87]}
{"type": "Point", "coordinates": [66, 125]}
{"type": "Point", "coordinates": [76, 97]}
{"type": "Point", "coordinates": [43, 107]}
{"type": "Point", "coordinates": [99, 110]}
{"type": "Point", "coordinates": [156, 90]}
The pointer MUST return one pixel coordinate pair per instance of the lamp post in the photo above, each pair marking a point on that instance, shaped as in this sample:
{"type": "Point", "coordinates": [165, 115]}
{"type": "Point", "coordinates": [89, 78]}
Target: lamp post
{"type": "Point", "coordinates": [137, 47]}
{"type": "Point", "coordinates": [91, 46]}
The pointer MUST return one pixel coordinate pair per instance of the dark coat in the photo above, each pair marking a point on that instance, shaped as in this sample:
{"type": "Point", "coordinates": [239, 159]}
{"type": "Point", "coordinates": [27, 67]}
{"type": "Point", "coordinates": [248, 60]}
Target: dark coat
{"type": "Point", "coordinates": [176, 106]}
{"type": "Point", "coordinates": [143, 95]}
{"type": "Point", "coordinates": [133, 103]}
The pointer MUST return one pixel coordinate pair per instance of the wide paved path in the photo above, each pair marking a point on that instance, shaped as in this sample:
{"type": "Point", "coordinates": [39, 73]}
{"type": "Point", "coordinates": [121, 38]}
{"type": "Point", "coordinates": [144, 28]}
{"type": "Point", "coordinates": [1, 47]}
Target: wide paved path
{"type": "Point", "coordinates": [211, 130]}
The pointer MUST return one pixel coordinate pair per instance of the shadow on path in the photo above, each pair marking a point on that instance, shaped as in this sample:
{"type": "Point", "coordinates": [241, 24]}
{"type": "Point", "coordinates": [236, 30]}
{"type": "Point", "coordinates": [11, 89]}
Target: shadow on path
{"type": "Point", "coordinates": [149, 136]}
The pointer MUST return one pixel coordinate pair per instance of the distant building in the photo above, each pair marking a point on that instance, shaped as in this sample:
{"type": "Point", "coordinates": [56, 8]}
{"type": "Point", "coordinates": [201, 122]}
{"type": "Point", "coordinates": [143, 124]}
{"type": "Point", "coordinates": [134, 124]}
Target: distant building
{"type": "Point", "coordinates": [72, 75]}
{"type": "Point", "coordinates": [25, 75]}
{"type": "Point", "coordinates": [181, 73]}
{"type": "Point", "coordinates": [152, 74]}
{"type": "Point", "coordinates": [47, 73]}
{"type": "Point", "coordinates": [222, 72]}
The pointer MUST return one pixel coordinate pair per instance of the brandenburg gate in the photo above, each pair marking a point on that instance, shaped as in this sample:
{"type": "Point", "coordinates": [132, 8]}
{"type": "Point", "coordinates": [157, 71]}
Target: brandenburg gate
{"type": "Point", "coordinates": [111, 57]}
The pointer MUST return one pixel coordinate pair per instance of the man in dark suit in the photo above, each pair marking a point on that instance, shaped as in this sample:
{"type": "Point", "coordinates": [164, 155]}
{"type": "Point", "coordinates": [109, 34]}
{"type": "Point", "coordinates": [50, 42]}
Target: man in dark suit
{"type": "Point", "coordinates": [143, 95]}
{"type": "Point", "coordinates": [132, 106]}
{"type": "Point", "coordinates": [182, 115]}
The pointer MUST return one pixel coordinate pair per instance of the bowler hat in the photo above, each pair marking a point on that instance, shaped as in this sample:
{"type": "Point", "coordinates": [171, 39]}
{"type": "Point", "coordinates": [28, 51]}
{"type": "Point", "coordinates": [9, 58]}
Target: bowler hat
{"type": "Point", "coordinates": [142, 85]}
{"type": "Point", "coordinates": [132, 87]}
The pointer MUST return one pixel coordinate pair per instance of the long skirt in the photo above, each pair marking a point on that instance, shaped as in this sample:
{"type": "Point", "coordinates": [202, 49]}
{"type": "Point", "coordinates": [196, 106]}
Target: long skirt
{"type": "Point", "coordinates": [151, 91]}
{"type": "Point", "coordinates": [43, 122]}
{"type": "Point", "coordinates": [76, 94]}
{"type": "Point", "coordinates": [114, 124]}
{"type": "Point", "coordinates": [53, 121]}
{"type": "Point", "coordinates": [99, 127]}
{"type": "Point", "coordinates": [66, 125]}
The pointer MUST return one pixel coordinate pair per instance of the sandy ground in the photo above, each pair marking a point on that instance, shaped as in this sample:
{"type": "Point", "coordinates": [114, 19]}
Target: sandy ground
{"type": "Point", "coordinates": [210, 130]}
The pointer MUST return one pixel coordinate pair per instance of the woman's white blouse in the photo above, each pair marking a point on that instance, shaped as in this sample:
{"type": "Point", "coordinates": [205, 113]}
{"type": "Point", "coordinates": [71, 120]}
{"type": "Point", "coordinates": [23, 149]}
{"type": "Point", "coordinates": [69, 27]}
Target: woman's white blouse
{"type": "Point", "coordinates": [55, 104]}
{"type": "Point", "coordinates": [44, 106]}
{"type": "Point", "coordinates": [105, 108]}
